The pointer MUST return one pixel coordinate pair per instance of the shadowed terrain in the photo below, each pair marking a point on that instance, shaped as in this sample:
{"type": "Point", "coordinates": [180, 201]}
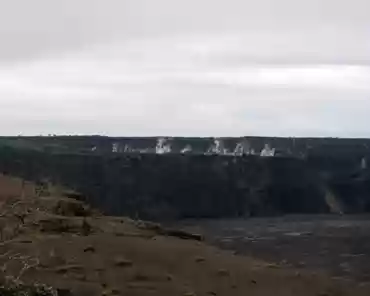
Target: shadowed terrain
{"type": "Point", "coordinates": [72, 249]}
{"type": "Point", "coordinates": [176, 186]}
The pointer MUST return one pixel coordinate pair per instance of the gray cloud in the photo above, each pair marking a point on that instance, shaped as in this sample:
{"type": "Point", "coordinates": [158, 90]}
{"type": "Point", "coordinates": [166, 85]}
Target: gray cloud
{"type": "Point", "coordinates": [185, 67]}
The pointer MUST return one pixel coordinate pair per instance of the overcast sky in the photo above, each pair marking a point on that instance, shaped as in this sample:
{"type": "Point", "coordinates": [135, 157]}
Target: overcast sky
{"type": "Point", "coordinates": [186, 68]}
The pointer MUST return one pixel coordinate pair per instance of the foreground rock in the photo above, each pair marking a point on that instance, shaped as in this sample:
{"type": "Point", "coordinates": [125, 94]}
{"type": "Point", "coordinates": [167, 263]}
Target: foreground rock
{"type": "Point", "coordinates": [119, 256]}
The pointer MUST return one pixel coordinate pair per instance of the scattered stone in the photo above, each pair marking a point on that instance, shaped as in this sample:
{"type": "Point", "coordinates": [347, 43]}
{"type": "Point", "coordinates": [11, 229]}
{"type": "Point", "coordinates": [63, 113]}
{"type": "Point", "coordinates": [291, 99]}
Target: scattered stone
{"type": "Point", "coordinates": [352, 255]}
{"type": "Point", "coordinates": [55, 224]}
{"type": "Point", "coordinates": [212, 293]}
{"type": "Point", "coordinates": [109, 292]}
{"type": "Point", "coordinates": [106, 292]}
{"type": "Point", "coordinates": [284, 262]}
{"type": "Point", "coordinates": [169, 277]}
{"type": "Point", "coordinates": [189, 294]}
{"type": "Point", "coordinates": [253, 281]}
{"type": "Point", "coordinates": [200, 259]}
{"type": "Point", "coordinates": [66, 268]}
{"type": "Point", "coordinates": [146, 225]}
{"type": "Point", "coordinates": [66, 206]}
{"type": "Point", "coordinates": [25, 241]}
{"type": "Point", "coordinates": [168, 232]}
{"type": "Point", "coordinates": [223, 272]}
{"type": "Point", "coordinates": [119, 234]}
{"type": "Point", "coordinates": [139, 277]}
{"type": "Point", "coordinates": [116, 291]}
{"type": "Point", "coordinates": [86, 228]}
{"type": "Point", "coordinates": [345, 266]}
{"type": "Point", "coordinates": [53, 260]}
{"type": "Point", "coordinates": [142, 285]}
{"type": "Point", "coordinates": [272, 265]}
{"type": "Point", "coordinates": [182, 234]}
{"type": "Point", "coordinates": [21, 217]}
{"type": "Point", "coordinates": [90, 249]}
{"type": "Point", "coordinates": [133, 234]}
{"type": "Point", "coordinates": [122, 262]}
{"type": "Point", "coordinates": [80, 277]}
{"type": "Point", "coordinates": [70, 194]}
{"type": "Point", "coordinates": [64, 292]}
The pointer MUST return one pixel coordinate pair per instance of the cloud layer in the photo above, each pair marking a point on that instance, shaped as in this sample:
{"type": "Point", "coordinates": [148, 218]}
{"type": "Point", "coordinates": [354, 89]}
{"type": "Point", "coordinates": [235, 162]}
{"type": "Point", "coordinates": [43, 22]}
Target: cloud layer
{"type": "Point", "coordinates": [150, 71]}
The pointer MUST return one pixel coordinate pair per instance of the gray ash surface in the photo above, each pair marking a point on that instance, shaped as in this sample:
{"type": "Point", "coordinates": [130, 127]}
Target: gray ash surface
{"type": "Point", "coordinates": [339, 245]}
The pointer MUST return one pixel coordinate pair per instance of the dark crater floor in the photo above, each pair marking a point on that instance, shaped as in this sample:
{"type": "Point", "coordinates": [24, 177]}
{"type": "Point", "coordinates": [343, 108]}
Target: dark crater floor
{"type": "Point", "coordinates": [339, 245]}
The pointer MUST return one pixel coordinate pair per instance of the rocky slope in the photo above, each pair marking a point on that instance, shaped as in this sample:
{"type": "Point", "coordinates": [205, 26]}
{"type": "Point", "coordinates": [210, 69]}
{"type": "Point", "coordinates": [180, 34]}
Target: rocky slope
{"type": "Point", "coordinates": [63, 244]}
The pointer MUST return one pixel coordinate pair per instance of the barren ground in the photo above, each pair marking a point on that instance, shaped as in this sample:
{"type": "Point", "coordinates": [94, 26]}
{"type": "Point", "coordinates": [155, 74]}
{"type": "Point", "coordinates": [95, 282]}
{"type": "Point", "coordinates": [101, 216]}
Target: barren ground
{"type": "Point", "coordinates": [97, 255]}
{"type": "Point", "coordinates": [338, 245]}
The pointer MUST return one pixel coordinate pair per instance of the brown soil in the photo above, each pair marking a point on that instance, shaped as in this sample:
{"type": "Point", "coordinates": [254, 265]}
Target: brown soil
{"type": "Point", "coordinates": [99, 255]}
{"type": "Point", "coordinates": [11, 187]}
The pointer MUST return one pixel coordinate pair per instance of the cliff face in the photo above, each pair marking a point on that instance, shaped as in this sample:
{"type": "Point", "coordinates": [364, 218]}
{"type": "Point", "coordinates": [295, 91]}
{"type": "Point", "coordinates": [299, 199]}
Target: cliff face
{"type": "Point", "coordinates": [293, 147]}
{"type": "Point", "coordinates": [176, 186]}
